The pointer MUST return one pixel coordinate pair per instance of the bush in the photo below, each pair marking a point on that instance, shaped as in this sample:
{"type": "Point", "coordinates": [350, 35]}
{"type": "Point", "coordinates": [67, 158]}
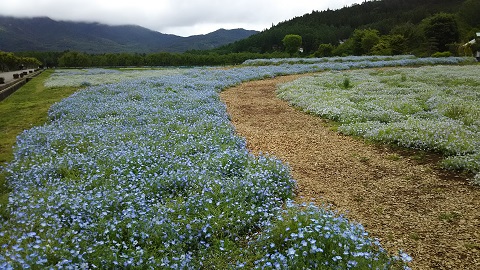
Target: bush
{"type": "Point", "coordinates": [442, 54]}
{"type": "Point", "coordinates": [346, 83]}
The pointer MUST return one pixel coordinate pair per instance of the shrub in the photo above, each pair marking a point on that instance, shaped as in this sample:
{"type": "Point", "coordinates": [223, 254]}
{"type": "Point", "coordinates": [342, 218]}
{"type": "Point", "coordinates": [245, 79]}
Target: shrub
{"type": "Point", "coordinates": [346, 83]}
{"type": "Point", "coordinates": [442, 54]}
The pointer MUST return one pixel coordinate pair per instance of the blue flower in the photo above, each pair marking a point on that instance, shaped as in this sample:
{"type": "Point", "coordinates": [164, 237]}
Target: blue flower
{"type": "Point", "coordinates": [151, 167]}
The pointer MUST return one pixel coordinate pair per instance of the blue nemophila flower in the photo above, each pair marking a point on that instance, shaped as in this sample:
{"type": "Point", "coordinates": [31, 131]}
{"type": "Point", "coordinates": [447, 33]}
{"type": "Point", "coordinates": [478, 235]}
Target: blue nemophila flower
{"type": "Point", "coordinates": [148, 173]}
{"type": "Point", "coordinates": [405, 257]}
{"type": "Point", "coordinates": [326, 242]}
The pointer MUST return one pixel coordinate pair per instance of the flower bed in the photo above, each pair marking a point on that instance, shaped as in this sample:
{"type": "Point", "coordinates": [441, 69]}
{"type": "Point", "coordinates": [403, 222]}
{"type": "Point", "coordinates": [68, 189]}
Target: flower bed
{"type": "Point", "coordinates": [149, 173]}
{"type": "Point", "coordinates": [401, 60]}
{"type": "Point", "coordinates": [97, 76]}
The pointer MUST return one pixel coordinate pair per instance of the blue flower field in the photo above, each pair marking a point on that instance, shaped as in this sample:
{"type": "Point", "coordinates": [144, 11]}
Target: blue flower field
{"type": "Point", "coordinates": [148, 173]}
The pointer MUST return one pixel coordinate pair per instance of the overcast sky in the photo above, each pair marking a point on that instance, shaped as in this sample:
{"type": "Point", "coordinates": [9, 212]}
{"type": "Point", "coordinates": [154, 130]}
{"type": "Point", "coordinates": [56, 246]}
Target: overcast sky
{"type": "Point", "coordinates": [179, 17]}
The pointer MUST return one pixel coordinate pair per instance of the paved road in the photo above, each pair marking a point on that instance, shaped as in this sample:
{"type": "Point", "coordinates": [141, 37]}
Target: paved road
{"type": "Point", "coordinates": [9, 75]}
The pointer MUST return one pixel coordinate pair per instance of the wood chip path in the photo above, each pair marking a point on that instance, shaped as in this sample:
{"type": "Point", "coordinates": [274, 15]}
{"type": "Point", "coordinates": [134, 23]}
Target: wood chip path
{"type": "Point", "coordinates": [432, 215]}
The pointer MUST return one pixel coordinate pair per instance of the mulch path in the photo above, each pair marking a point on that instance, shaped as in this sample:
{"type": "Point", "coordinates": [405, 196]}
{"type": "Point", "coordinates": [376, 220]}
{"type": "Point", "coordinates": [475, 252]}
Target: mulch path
{"type": "Point", "coordinates": [431, 214]}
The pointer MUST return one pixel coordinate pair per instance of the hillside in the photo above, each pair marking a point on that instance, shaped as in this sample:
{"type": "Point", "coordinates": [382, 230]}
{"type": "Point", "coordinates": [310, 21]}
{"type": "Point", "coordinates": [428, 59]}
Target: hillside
{"type": "Point", "coordinates": [333, 26]}
{"type": "Point", "coordinates": [45, 34]}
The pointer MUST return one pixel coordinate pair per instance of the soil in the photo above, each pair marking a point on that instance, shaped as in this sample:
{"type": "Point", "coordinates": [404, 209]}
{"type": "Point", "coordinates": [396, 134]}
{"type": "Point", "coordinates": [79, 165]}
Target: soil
{"type": "Point", "coordinates": [400, 197]}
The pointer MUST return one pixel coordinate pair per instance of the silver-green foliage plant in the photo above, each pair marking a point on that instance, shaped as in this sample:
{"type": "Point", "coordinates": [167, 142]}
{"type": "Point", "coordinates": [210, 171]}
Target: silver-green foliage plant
{"type": "Point", "coordinates": [434, 108]}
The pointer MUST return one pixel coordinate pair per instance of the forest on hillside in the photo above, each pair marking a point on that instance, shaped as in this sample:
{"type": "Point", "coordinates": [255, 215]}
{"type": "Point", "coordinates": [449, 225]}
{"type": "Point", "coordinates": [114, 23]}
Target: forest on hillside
{"type": "Point", "coordinates": [396, 26]}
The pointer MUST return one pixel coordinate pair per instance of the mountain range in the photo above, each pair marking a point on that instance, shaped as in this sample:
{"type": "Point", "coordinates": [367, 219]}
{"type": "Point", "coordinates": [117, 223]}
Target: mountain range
{"type": "Point", "coordinates": [45, 34]}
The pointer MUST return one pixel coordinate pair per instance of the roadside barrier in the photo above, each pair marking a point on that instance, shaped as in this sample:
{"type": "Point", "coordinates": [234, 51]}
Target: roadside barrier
{"type": "Point", "coordinates": [10, 88]}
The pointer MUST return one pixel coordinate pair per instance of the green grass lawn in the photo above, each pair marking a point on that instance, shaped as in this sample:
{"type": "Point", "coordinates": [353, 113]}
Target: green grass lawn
{"type": "Point", "coordinates": [25, 108]}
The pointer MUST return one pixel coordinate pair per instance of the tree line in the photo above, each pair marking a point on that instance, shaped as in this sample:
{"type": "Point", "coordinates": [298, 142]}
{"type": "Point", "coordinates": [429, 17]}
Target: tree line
{"type": "Point", "coordinates": [11, 62]}
{"type": "Point", "coordinates": [192, 58]}
{"type": "Point", "coordinates": [439, 35]}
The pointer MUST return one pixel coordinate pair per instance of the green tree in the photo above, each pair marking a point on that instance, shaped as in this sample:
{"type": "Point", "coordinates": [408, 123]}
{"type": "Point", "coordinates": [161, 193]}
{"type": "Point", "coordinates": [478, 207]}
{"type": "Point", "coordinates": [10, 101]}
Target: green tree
{"type": "Point", "coordinates": [363, 40]}
{"type": "Point", "coordinates": [292, 43]}
{"type": "Point", "coordinates": [397, 44]}
{"type": "Point", "coordinates": [389, 45]}
{"type": "Point", "coordinates": [75, 59]}
{"type": "Point", "coordinates": [370, 38]}
{"type": "Point", "coordinates": [440, 30]}
{"type": "Point", "coordinates": [344, 48]}
{"type": "Point", "coordinates": [30, 62]}
{"type": "Point", "coordinates": [8, 61]}
{"type": "Point", "coordinates": [412, 34]}
{"type": "Point", "coordinates": [324, 50]}
{"type": "Point", "coordinates": [469, 12]}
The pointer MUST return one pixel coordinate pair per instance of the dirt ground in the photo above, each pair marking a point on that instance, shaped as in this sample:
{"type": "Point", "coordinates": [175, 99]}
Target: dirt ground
{"type": "Point", "coordinates": [401, 199]}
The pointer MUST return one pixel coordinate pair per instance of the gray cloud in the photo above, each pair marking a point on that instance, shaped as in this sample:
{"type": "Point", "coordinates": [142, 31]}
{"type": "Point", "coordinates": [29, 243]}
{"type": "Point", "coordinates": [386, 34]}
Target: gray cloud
{"type": "Point", "coordinates": [181, 17]}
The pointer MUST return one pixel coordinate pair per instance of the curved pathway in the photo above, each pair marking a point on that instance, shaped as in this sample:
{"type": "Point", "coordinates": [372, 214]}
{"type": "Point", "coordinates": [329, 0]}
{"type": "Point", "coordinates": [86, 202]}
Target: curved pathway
{"type": "Point", "coordinates": [432, 215]}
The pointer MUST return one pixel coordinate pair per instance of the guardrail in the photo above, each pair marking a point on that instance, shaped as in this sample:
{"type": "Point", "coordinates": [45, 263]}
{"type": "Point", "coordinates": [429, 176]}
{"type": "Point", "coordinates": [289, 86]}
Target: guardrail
{"type": "Point", "coordinates": [9, 88]}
